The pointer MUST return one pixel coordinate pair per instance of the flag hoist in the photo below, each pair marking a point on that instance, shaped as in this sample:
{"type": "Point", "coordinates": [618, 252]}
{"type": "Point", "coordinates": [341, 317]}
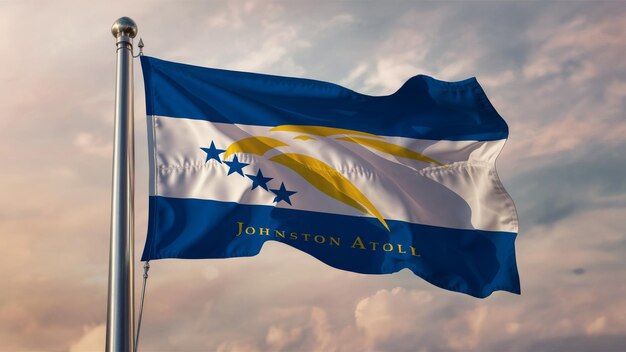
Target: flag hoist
{"type": "Point", "coordinates": [120, 306]}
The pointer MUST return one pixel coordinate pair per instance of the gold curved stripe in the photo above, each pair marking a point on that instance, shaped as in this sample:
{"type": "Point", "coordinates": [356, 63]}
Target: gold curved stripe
{"type": "Point", "coordinates": [329, 181]}
{"type": "Point", "coordinates": [304, 138]}
{"type": "Point", "coordinates": [392, 149]}
{"type": "Point", "coordinates": [320, 130]}
{"type": "Point", "coordinates": [257, 145]}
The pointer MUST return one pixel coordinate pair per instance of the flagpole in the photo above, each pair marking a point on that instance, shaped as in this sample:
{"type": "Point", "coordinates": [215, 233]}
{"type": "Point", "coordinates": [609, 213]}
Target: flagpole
{"type": "Point", "coordinates": [121, 302]}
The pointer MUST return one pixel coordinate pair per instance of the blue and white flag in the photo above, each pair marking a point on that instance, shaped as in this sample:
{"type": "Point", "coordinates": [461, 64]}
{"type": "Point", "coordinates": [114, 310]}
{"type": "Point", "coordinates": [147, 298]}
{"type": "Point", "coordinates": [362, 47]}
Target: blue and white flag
{"type": "Point", "coordinates": [369, 184]}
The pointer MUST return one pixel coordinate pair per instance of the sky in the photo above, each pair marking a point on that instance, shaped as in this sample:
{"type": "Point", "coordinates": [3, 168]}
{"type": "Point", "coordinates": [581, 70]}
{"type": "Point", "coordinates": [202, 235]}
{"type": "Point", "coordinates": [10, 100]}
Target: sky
{"type": "Point", "coordinates": [556, 71]}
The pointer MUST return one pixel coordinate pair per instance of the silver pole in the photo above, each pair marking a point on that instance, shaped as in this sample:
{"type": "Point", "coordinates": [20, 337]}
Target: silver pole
{"type": "Point", "coordinates": [121, 301]}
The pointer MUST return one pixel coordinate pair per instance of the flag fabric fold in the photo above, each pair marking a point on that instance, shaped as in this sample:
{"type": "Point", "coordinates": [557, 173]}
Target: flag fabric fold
{"type": "Point", "coordinates": [369, 184]}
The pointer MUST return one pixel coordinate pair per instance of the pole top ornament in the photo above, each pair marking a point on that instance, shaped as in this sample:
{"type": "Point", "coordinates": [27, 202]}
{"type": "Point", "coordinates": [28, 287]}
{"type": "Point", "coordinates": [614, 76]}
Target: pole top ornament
{"type": "Point", "coordinates": [124, 26]}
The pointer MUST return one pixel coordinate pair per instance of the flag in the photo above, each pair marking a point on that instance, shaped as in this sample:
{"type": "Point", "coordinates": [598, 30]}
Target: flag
{"type": "Point", "coordinates": [368, 184]}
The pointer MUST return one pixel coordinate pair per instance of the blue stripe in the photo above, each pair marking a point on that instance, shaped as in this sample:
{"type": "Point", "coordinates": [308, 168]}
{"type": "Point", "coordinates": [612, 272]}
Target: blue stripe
{"type": "Point", "coordinates": [469, 261]}
{"type": "Point", "coordinates": [423, 107]}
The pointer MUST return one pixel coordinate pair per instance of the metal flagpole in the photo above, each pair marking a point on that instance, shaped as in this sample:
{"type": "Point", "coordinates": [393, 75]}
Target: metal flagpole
{"type": "Point", "coordinates": [121, 302]}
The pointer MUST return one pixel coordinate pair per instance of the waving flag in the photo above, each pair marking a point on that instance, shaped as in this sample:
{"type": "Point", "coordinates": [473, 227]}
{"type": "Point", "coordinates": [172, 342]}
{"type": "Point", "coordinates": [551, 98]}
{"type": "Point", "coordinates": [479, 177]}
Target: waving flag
{"type": "Point", "coordinates": [366, 184]}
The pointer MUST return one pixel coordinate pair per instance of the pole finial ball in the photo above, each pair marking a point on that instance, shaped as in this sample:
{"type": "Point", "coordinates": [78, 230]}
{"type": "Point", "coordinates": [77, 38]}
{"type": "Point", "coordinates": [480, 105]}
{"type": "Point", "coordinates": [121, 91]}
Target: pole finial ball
{"type": "Point", "coordinates": [124, 26]}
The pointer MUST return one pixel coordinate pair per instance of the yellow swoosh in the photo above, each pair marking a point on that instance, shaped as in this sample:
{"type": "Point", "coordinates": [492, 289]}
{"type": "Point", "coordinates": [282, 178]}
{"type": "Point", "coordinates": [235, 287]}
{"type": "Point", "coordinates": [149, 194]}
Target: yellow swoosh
{"type": "Point", "coordinates": [329, 181]}
{"type": "Point", "coordinates": [392, 149]}
{"type": "Point", "coordinates": [321, 130]}
{"type": "Point", "coordinates": [304, 138]}
{"type": "Point", "coordinates": [253, 145]}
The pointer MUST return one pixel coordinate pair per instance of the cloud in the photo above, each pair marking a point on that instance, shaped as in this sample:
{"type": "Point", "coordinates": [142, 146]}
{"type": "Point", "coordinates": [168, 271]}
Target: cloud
{"type": "Point", "coordinates": [304, 329]}
{"type": "Point", "coordinates": [579, 343]}
{"type": "Point", "coordinates": [617, 89]}
{"type": "Point", "coordinates": [93, 145]}
{"type": "Point", "coordinates": [590, 180]}
{"type": "Point", "coordinates": [230, 18]}
{"type": "Point", "coordinates": [581, 40]}
{"type": "Point", "coordinates": [93, 340]}
{"type": "Point", "coordinates": [237, 346]}
{"type": "Point", "coordinates": [391, 73]}
{"type": "Point", "coordinates": [337, 20]}
{"type": "Point", "coordinates": [210, 273]}
{"type": "Point", "coordinates": [596, 326]}
{"type": "Point", "coordinates": [464, 332]}
{"type": "Point", "coordinates": [390, 314]}
{"type": "Point", "coordinates": [356, 73]}
{"type": "Point", "coordinates": [278, 338]}
{"type": "Point", "coordinates": [273, 50]}
{"type": "Point", "coordinates": [500, 79]}
{"type": "Point", "coordinates": [568, 62]}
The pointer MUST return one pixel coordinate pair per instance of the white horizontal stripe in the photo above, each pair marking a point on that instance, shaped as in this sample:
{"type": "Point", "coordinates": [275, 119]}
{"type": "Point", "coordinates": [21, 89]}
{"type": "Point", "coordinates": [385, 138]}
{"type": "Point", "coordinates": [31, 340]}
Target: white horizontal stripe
{"type": "Point", "coordinates": [465, 195]}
